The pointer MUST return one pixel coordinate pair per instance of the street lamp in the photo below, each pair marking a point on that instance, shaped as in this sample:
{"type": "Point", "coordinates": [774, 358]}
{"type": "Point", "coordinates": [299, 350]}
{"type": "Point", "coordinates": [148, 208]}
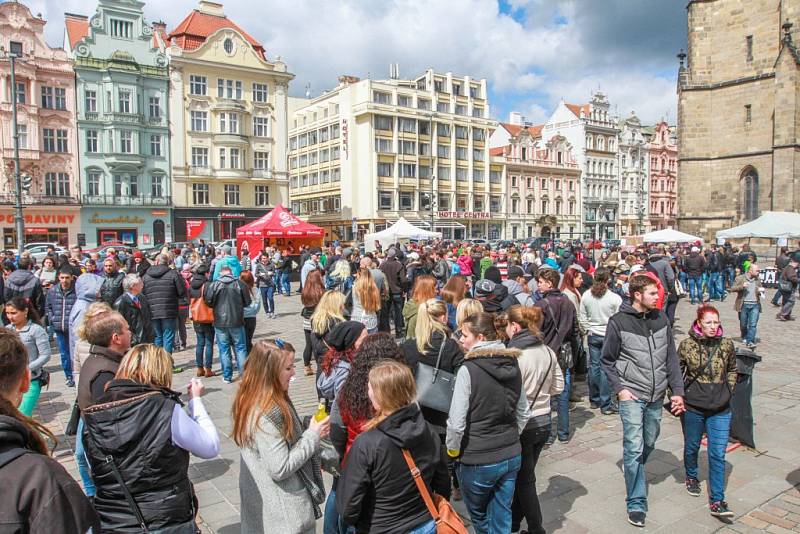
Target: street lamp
{"type": "Point", "coordinates": [19, 220]}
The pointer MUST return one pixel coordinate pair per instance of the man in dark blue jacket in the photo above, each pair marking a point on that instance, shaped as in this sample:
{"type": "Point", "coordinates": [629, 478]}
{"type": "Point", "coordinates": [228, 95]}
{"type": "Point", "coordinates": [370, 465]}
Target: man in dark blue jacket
{"type": "Point", "coordinates": [58, 305]}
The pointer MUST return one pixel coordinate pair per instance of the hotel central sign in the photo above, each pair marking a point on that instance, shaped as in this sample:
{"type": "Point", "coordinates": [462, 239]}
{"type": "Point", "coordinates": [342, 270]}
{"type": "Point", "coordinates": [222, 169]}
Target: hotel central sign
{"type": "Point", "coordinates": [463, 215]}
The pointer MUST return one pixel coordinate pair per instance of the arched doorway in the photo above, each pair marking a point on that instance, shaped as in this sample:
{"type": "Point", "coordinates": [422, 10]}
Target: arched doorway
{"type": "Point", "coordinates": [749, 197]}
{"type": "Point", "coordinates": [159, 232]}
{"type": "Point", "coordinates": [545, 231]}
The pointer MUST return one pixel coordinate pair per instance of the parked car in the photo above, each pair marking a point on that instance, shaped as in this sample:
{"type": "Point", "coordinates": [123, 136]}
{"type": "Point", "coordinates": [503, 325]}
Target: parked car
{"type": "Point", "coordinates": [103, 250]}
{"type": "Point", "coordinates": [479, 241]}
{"type": "Point", "coordinates": [39, 250]}
{"type": "Point", "coordinates": [229, 242]}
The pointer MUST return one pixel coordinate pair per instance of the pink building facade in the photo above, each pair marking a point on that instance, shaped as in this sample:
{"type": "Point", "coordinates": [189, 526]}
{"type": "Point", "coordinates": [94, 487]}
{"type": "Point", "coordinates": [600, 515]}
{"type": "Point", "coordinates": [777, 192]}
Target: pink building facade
{"type": "Point", "coordinates": [663, 152]}
{"type": "Point", "coordinates": [47, 133]}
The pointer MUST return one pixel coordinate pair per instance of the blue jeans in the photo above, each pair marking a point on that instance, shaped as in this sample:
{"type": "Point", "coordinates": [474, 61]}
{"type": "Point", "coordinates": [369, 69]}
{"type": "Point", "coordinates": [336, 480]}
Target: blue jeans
{"type": "Point", "coordinates": [332, 522]}
{"type": "Point", "coordinates": [165, 333]}
{"type": "Point", "coordinates": [641, 424]}
{"type": "Point", "coordinates": [561, 404]}
{"type": "Point", "coordinates": [748, 320]}
{"type": "Point", "coordinates": [599, 389]}
{"type": "Point", "coordinates": [716, 289]}
{"type": "Point", "coordinates": [268, 298]}
{"type": "Point", "coordinates": [730, 275]}
{"type": "Point", "coordinates": [487, 491]}
{"type": "Point", "coordinates": [287, 287]}
{"type": "Point", "coordinates": [63, 347]}
{"type": "Point", "coordinates": [227, 339]}
{"type": "Point", "coordinates": [717, 427]}
{"type": "Point", "coordinates": [425, 528]}
{"type": "Point", "coordinates": [278, 278]}
{"type": "Point", "coordinates": [684, 278]}
{"type": "Point", "coordinates": [204, 346]}
{"type": "Point", "coordinates": [83, 462]}
{"type": "Point", "coordinates": [696, 288]}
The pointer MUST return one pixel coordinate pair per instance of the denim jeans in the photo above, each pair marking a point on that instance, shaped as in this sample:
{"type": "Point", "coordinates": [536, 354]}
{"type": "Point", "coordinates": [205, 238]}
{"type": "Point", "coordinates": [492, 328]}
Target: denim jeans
{"type": "Point", "coordinates": [684, 278]}
{"type": "Point", "coordinates": [425, 528]}
{"type": "Point", "coordinates": [641, 424]}
{"type": "Point", "coordinates": [487, 491]}
{"type": "Point", "coordinates": [287, 287]}
{"type": "Point", "coordinates": [268, 298]}
{"type": "Point", "coordinates": [696, 289]}
{"type": "Point", "coordinates": [717, 427]}
{"type": "Point", "coordinates": [227, 339]}
{"type": "Point", "coordinates": [730, 275]}
{"type": "Point", "coordinates": [332, 522]}
{"type": "Point", "coordinates": [83, 462]}
{"type": "Point", "coordinates": [63, 347]}
{"type": "Point", "coordinates": [165, 333]}
{"type": "Point", "coordinates": [748, 320]}
{"type": "Point", "coordinates": [560, 403]}
{"type": "Point", "coordinates": [397, 312]}
{"type": "Point", "coordinates": [776, 298]}
{"type": "Point", "coordinates": [599, 389]}
{"type": "Point", "coordinates": [204, 345]}
{"type": "Point", "coordinates": [716, 289]}
{"type": "Point", "coordinates": [526, 501]}
{"type": "Point", "coordinates": [278, 278]}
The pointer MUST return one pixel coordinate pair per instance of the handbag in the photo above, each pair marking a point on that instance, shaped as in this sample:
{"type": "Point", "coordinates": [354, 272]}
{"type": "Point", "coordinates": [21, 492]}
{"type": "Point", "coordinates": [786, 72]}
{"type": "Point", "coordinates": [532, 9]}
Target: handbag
{"type": "Point", "coordinates": [44, 378]}
{"type": "Point", "coordinates": [434, 386]}
{"type": "Point", "coordinates": [446, 518]}
{"type": "Point", "coordinates": [74, 418]}
{"type": "Point", "coordinates": [785, 285]}
{"type": "Point", "coordinates": [199, 311]}
{"type": "Point", "coordinates": [680, 291]}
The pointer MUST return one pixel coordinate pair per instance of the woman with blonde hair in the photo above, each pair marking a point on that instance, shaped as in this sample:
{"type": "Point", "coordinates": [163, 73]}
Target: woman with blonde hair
{"type": "Point", "coordinates": [138, 433]}
{"type": "Point", "coordinates": [464, 309]}
{"type": "Point", "coordinates": [280, 481]}
{"type": "Point", "coordinates": [424, 289]}
{"type": "Point", "coordinates": [366, 301]}
{"type": "Point", "coordinates": [341, 277]}
{"type": "Point", "coordinates": [376, 492]}
{"type": "Point", "coordinates": [328, 313]}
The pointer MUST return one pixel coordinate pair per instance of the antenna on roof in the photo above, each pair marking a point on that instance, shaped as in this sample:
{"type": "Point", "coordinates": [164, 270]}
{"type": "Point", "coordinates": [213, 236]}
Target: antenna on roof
{"type": "Point", "coordinates": [308, 90]}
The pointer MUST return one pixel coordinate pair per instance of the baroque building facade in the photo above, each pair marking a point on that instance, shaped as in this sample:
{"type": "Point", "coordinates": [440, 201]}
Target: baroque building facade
{"type": "Point", "coordinates": [45, 105]}
{"type": "Point", "coordinates": [662, 151]}
{"type": "Point", "coordinates": [738, 113]}
{"type": "Point", "coordinates": [123, 125]}
{"type": "Point", "coordinates": [229, 114]}
{"type": "Point", "coordinates": [633, 178]}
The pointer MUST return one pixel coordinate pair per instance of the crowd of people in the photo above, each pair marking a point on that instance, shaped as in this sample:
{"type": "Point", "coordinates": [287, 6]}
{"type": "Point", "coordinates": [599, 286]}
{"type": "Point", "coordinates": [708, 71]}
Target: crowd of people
{"type": "Point", "coordinates": [443, 371]}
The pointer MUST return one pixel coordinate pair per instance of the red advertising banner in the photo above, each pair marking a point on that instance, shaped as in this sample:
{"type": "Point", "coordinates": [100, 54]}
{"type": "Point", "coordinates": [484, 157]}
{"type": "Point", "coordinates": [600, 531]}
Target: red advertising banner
{"type": "Point", "coordinates": [194, 227]}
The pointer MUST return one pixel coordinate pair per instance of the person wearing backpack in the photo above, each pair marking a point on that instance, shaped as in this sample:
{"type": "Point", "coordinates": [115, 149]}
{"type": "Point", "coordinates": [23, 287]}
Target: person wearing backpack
{"type": "Point", "coordinates": [203, 326]}
{"type": "Point", "coordinates": [788, 288]}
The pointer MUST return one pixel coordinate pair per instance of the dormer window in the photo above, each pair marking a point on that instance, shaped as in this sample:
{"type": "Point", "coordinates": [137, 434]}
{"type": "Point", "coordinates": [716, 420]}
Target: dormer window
{"type": "Point", "coordinates": [228, 45]}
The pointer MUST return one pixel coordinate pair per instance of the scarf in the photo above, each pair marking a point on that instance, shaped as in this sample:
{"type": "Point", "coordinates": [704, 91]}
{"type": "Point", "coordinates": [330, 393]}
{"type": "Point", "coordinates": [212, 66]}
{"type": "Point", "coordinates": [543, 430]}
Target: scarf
{"type": "Point", "coordinates": [311, 472]}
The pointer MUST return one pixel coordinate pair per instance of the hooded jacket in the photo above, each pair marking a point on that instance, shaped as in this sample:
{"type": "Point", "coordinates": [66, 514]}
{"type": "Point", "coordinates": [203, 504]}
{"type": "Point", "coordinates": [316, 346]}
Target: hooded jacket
{"type": "Point", "coordinates": [534, 362]}
{"type": "Point", "coordinates": [24, 283]}
{"type": "Point", "coordinates": [518, 292]}
{"type": "Point", "coordinates": [639, 354]}
{"type": "Point", "coordinates": [37, 494]}
{"type": "Point", "coordinates": [87, 289]}
{"type": "Point", "coordinates": [58, 305]}
{"type": "Point", "coordinates": [164, 289]}
{"type": "Point", "coordinates": [140, 268]}
{"type": "Point", "coordinates": [708, 366]}
{"type": "Point", "coordinates": [465, 263]}
{"type": "Point", "coordinates": [230, 261]}
{"type": "Point", "coordinates": [376, 491]}
{"type": "Point", "coordinates": [694, 264]}
{"type": "Point", "coordinates": [228, 296]}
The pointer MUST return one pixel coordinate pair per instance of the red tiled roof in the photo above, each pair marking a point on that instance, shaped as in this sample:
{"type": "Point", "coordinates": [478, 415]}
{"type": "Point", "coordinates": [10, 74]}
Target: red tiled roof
{"type": "Point", "coordinates": [497, 151]}
{"type": "Point", "coordinates": [77, 28]}
{"type": "Point", "coordinates": [197, 27]}
{"type": "Point", "coordinates": [514, 129]}
{"type": "Point", "coordinates": [576, 109]}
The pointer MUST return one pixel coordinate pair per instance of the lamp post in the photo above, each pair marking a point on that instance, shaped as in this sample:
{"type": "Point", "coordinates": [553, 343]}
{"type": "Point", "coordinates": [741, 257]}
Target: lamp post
{"type": "Point", "coordinates": [432, 201]}
{"type": "Point", "coordinates": [19, 220]}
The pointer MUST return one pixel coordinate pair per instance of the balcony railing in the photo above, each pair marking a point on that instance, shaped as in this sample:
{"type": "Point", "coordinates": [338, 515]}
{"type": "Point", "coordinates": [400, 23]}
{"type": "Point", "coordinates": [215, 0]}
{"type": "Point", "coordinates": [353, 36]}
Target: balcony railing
{"type": "Point", "coordinates": [262, 173]}
{"type": "Point", "coordinates": [28, 200]}
{"type": "Point", "coordinates": [114, 200]}
{"type": "Point", "coordinates": [200, 171]}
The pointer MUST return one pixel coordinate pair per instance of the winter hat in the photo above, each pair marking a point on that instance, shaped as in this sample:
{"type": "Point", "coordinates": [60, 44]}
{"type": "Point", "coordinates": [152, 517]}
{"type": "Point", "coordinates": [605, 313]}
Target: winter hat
{"type": "Point", "coordinates": [392, 253]}
{"type": "Point", "coordinates": [493, 273]}
{"type": "Point", "coordinates": [226, 250]}
{"type": "Point", "coordinates": [344, 335]}
{"type": "Point", "coordinates": [514, 272]}
{"type": "Point", "coordinates": [138, 255]}
{"type": "Point", "coordinates": [484, 287]}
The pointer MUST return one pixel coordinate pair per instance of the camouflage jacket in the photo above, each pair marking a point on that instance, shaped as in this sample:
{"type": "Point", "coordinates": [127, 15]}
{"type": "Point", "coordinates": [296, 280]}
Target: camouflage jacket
{"type": "Point", "coordinates": [709, 384]}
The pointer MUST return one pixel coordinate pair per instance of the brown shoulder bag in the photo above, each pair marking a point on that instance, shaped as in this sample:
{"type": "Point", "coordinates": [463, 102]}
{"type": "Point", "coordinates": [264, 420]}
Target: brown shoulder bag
{"type": "Point", "coordinates": [446, 518]}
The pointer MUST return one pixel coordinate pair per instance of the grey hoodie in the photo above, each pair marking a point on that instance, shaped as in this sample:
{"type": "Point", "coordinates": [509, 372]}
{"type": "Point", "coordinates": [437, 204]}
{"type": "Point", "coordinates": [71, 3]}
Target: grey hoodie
{"type": "Point", "coordinates": [516, 290]}
{"type": "Point", "coordinates": [87, 287]}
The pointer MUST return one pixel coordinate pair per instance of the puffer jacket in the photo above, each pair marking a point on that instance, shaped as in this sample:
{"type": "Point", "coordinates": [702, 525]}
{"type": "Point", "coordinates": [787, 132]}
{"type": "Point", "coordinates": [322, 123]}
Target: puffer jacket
{"type": "Point", "coordinates": [709, 369]}
{"type": "Point", "coordinates": [228, 296]}
{"type": "Point", "coordinates": [112, 288]}
{"type": "Point", "coordinates": [465, 263]}
{"type": "Point", "coordinates": [58, 306]}
{"type": "Point", "coordinates": [518, 292]}
{"type": "Point", "coordinates": [24, 283]}
{"type": "Point", "coordinates": [164, 288]}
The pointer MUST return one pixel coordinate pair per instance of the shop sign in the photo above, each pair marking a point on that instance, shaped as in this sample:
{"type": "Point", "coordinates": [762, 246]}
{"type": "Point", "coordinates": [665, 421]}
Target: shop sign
{"type": "Point", "coordinates": [145, 239]}
{"type": "Point", "coordinates": [158, 213]}
{"type": "Point", "coordinates": [463, 215]}
{"type": "Point", "coordinates": [36, 230]}
{"type": "Point", "coordinates": [345, 137]}
{"type": "Point", "coordinates": [68, 218]}
{"type": "Point", "coordinates": [231, 215]}
{"type": "Point", "coordinates": [122, 219]}
{"type": "Point", "coordinates": [194, 227]}
{"type": "Point", "coordinates": [286, 219]}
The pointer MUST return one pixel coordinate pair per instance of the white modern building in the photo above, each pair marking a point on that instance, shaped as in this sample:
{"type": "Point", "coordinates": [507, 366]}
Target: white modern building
{"type": "Point", "coordinates": [633, 163]}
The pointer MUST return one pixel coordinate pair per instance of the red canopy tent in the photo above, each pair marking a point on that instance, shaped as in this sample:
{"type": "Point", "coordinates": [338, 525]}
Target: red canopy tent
{"type": "Point", "coordinates": [277, 228]}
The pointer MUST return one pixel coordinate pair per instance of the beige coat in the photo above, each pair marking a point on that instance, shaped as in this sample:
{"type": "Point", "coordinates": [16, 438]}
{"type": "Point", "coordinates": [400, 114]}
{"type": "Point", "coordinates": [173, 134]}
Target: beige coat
{"type": "Point", "coordinates": [738, 288]}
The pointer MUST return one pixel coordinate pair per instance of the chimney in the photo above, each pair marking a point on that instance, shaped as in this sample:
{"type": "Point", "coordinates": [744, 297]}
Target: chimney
{"type": "Point", "coordinates": [210, 8]}
{"type": "Point", "coordinates": [516, 118]}
{"type": "Point", "coordinates": [347, 80]}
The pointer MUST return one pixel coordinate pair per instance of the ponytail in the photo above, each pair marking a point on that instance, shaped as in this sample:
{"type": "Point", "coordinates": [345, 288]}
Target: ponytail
{"type": "Point", "coordinates": [429, 317]}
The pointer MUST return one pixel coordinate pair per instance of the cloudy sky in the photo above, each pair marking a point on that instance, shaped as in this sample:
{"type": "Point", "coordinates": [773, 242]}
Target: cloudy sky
{"type": "Point", "coordinates": [532, 52]}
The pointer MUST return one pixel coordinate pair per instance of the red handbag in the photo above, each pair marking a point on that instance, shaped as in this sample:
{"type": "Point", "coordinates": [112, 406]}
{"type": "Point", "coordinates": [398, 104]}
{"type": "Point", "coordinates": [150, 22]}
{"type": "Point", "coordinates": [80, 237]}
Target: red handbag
{"type": "Point", "coordinates": [446, 518]}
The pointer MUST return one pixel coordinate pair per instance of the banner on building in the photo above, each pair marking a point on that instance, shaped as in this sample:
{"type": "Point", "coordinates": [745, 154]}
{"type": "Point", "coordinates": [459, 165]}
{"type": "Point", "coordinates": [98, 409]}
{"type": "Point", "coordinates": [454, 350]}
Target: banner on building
{"type": "Point", "coordinates": [194, 227]}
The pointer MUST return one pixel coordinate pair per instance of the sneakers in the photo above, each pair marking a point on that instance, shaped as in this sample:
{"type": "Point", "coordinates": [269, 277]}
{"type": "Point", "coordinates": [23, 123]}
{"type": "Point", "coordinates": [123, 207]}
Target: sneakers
{"type": "Point", "coordinates": [201, 372]}
{"type": "Point", "coordinates": [227, 380]}
{"type": "Point", "coordinates": [693, 486]}
{"type": "Point", "coordinates": [720, 509]}
{"type": "Point", "coordinates": [70, 383]}
{"type": "Point", "coordinates": [610, 411]}
{"type": "Point", "coordinates": [636, 518]}
{"type": "Point", "coordinates": [209, 372]}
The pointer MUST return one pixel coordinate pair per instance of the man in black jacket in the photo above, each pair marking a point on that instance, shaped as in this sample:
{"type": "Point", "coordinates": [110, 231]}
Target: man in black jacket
{"type": "Point", "coordinates": [228, 296]}
{"type": "Point", "coordinates": [395, 279]}
{"type": "Point", "coordinates": [22, 282]}
{"type": "Point", "coordinates": [111, 289]}
{"type": "Point", "coordinates": [695, 264]}
{"type": "Point", "coordinates": [640, 361]}
{"type": "Point", "coordinates": [136, 310]}
{"type": "Point", "coordinates": [164, 288]}
{"type": "Point", "coordinates": [716, 268]}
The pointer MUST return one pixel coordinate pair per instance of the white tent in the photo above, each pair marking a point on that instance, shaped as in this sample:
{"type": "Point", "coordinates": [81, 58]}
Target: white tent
{"type": "Point", "coordinates": [400, 231]}
{"type": "Point", "coordinates": [772, 224]}
{"type": "Point", "coordinates": [669, 236]}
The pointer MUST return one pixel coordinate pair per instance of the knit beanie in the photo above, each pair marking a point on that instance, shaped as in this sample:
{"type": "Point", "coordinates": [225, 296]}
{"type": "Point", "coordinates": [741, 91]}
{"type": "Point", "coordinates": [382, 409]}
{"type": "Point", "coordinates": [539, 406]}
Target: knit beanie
{"type": "Point", "coordinates": [344, 335]}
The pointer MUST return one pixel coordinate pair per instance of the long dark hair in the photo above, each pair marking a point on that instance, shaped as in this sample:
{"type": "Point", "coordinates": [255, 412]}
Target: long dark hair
{"type": "Point", "coordinates": [21, 303]}
{"type": "Point", "coordinates": [600, 284]}
{"type": "Point", "coordinates": [354, 403]}
{"type": "Point", "coordinates": [313, 289]}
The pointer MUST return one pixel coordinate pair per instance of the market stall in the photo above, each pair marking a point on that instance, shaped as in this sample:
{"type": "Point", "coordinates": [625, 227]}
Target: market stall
{"type": "Point", "coordinates": [278, 228]}
{"type": "Point", "coordinates": [670, 235]}
{"type": "Point", "coordinates": [400, 232]}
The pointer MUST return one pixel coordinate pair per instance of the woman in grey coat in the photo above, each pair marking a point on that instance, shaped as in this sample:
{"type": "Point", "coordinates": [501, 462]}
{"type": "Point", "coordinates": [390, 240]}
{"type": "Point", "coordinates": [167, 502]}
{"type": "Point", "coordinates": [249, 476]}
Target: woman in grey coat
{"type": "Point", "coordinates": [280, 481]}
{"type": "Point", "coordinates": [24, 320]}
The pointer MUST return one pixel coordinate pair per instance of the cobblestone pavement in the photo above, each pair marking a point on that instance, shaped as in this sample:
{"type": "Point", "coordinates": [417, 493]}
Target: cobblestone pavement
{"type": "Point", "coordinates": [580, 483]}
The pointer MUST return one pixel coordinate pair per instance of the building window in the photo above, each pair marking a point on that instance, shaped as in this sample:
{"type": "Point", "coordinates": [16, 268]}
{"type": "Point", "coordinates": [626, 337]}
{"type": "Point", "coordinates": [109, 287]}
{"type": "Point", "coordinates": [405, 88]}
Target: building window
{"type": "Point", "coordinates": [442, 130]}
{"type": "Point", "coordinates": [227, 44]}
{"type": "Point", "coordinates": [478, 175]}
{"type": "Point", "coordinates": [93, 183]}
{"type": "Point", "coordinates": [514, 205]}
{"type": "Point", "coordinates": [261, 126]}
{"type": "Point", "coordinates": [494, 204]}
{"type": "Point", "coordinates": [229, 123]}
{"type": "Point", "coordinates": [124, 101]}
{"type": "Point", "coordinates": [461, 174]}
{"type": "Point", "coordinates": [438, 86]}
{"type": "Point", "coordinates": [750, 194]}
{"type": "Point", "coordinates": [229, 89]}
{"type": "Point", "coordinates": [749, 46]}
{"type": "Point", "coordinates": [384, 200]}
{"type": "Point", "coordinates": [91, 141]}
{"type": "Point", "coordinates": [56, 184]}
{"type": "Point", "coordinates": [335, 130]}
{"type": "Point", "coordinates": [424, 103]}
{"type": "Point", "coordinates": [748, 113]}
{"type": "Point", "coordinates": [155, 145]}
{"type": "Point", "coordinates": [477, 154]}
{"type": "Point", "coordinates": [22, 135]}
{"type": "Point", "coordinates": [200, 194]}
{"type": "Point", "coordinates": [444, 201]}
{"type": "Point", "coordinates": [22, 93]}
{"type": "Point", "coordinates": [262, 195]}
{"type": "Point", "coordinates": [199, 121]}
{"type": "Point", "coordinates": [53, 97]}
{"type": "Point", "coordinates": [90, 98]}
{"type": "Point", "coordinates": [126, 141]}
{"type": "Point", "coordinates": [380, 97]}
{"type": "Point", "coordinates": [384, 169]}
{"type": "Point", "coordinates": [408, 170]}
{"type": "Point", "coordinates": [260, 92]}
{"type": "Point", "coordinates": [424, 171]}
{"type": "Point", "coordinates": [461, 109]}
{"type": "Point", "coordinates": [54, 140]}
{"type": "Point", "coordinates": [199, 157]}
{"type": "Point", "coordinates": [408, 148]}
{"type": "Point", "coordinates": [383, 145]}
{"type": "Point", "coordinates": [157, 186]}
{"type": "Point", "coordinates": [544, 206]}
{"type": "Point", "coordinates": [443, 107]}
{"type": "Point", "coordinates": [383, 122]}
{"type": "Point", "coordinates": [231, 194]}
{"type": "Point", "coordinates": [462, 132]}
{"type": "Point", "coordinates": [478, 134]}
{"type": "Point", "coordinates": [443, 172]}
{"type": "Point", "coordinates": [122, 29]}
{"type": "Point", "coordinates": [406, 200]}
{"type": "Point", "coordinates": [408, 125]}
{"type": "Point", "coordinates": [513, 181]}
{"type": "Point", "coordinates": [495, 176]}
{"type": "Point", "coordinates": [424, 149]}
{"type": "Point", "coordinates": [155, 107]}
{"type": "Point", "coordinates": [461, 153]}
{"type": "Point", "coordinates": [198, 85]}
{"type": "Point", "coordinates": [235, 158]}
{"type": "Point", "coordinates": [443, 151]}
{"type": "Point", "coordinates": [261, 160]}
